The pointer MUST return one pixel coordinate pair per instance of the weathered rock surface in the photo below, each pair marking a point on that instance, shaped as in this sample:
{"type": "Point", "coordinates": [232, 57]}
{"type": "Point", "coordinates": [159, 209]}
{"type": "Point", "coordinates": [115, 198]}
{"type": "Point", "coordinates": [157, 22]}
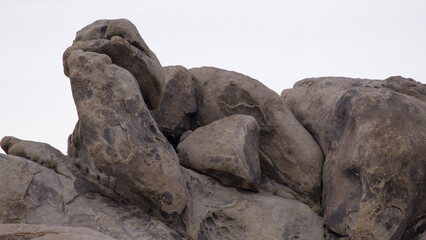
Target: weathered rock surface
{"type": "Point", "coordinates": [226, 149]}
{"type": "Point", "coordinates": [45, 232]}
{"type": "Point", "coordinates": [332, 158]}
{"type": "Point", "coordinates": [33, 194]}
{"type": "Point", "coordinates": [218, 212]}
{"type": "Point", "coordinates": [121, 41]}
{"type": "Point", "coordinates": [373, 138]}
{"type": "Point", "coordinates": [288, 153]}
{"type": "Point", "coordinates": [173, 117]}
{"type": "Point", "coordinates": [117, 133]}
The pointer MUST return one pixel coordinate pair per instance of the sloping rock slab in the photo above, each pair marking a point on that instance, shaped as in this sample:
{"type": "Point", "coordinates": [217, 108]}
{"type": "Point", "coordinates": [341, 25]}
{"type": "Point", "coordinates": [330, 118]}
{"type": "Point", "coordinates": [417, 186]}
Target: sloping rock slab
{"type": "Point", "coordinates": [218, 212]}
{"type": "Point", "coordinates": [374, 177]}
{"type": "Point", "coordinates": [117, 133]}
{"type": "Point", "coordinates": [288, 153]}
{"type": "Point", "coordinates": [226, 149]}
{"type": "Point", "coordinates": [46, 232]}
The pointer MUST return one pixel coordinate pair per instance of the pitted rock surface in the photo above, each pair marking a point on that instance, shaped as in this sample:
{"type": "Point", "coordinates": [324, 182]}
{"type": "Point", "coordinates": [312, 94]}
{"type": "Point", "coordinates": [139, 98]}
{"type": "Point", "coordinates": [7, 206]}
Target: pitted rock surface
{"type": "Point", "coordinates": [117, 133]}
{"type": "Point", "coordinates": [333, 158]}
{"type": "Point", "coordinates": [373, 138]}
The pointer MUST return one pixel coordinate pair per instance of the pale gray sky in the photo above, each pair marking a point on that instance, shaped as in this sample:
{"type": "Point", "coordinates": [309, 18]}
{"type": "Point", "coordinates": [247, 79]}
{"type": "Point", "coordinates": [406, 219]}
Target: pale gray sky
{"type": "Point", "coordinates": [276, 42]}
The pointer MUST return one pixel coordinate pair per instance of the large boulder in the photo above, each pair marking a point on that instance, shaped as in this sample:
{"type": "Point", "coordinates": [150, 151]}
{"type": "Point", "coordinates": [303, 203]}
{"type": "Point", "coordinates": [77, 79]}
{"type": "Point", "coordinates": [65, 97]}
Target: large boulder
{"type": "Point", "coordinates": [61, 196]}
{"type": "Point", "coordinates": [226, 149]}
{"type": "Point", "coordinates": [45, 232]}
{"type": "Point", "coordinates": [288, 153]}
{"type": "Point", "coordinates": [117, 134]}
{"type": "Point", "coordinates": [173, 116]}
{"type": "Point", "coordinates": [218, 212]}
{"type": "Point", "coordinates": [121, 41]}
{"type": "Point", "coordinates": [373, 137]}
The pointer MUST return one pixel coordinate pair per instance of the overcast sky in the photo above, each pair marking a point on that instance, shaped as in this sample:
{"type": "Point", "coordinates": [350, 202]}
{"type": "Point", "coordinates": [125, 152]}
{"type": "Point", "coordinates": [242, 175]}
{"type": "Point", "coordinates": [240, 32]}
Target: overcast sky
{"type": "Point", "coordinates": [276, 42]}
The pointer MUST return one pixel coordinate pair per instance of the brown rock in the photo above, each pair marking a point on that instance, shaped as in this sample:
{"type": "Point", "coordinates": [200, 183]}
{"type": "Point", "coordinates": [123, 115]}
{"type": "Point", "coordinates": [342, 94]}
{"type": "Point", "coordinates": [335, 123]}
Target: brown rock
{"type": "Point", "coordinates": [46, 232]}
{"type": "Point", "coordinates": [374, 177]}
{"type": "Point", "coordinates": [117, 133]}
{"type": "Point", "coordinates": [31, 193]}
{"type": "Point", "coordinates": [218, 212]}
{"type": "Point", "coordinates": [178, 105]}
{"type": "Point", "coordinates": [288, 153]}
{"type": "Point", "coordinates": [121, 41]}
{"type": "Point", "coordinates": [226, 149]}
{"type": "Point", "coordinates": [402, 85]}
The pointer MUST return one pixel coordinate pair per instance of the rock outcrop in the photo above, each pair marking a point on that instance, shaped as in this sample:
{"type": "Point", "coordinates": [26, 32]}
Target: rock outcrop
{"type": "Point", "coordinates": [117, 133]}
{"type": "Point", "coordinates": [373, 137]}
{"type": "Point", "coordinates": [62, 196]}
{"type": "Point", "coordinates": [205, 153]}
{"type": "Point", "coordinates": [288, 153]}
{"type": "Point", "coordinates": [121, 41]}
{"type": "Point", "coordinates": [226, 149]}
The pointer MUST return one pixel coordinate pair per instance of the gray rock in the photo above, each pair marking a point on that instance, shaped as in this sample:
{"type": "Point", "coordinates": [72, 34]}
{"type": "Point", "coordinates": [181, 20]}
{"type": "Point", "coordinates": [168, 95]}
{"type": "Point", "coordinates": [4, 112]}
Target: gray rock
{"type": "Point", "coordinates": [121, 41]}
{"type": "Point", "coordinates": [218, 212]}
{"type": "Point", "coordinates": [45, 232]}
{"type": "Point", "coordinates": [173, 117]}
{"type": "Point", "coordinates": [47, 156]}
{"type": "Point", "coordinates": [226, 149]}
{"type": "Point", "coordinates": [288, 153]}
{"type": "Point", "coordinates": [117, 133]}
{"type": "Point", "coordinates": [373, 138]}
{"type": "Point", "coordinates": [35, 194]}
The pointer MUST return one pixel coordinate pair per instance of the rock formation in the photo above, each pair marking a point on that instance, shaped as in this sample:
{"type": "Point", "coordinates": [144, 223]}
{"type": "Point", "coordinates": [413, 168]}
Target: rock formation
{"type": "Point", "coordinates": [288, 153]}
{"type": "Point", "coordinates": [173, 116]}
{"type": "Point", "coordinates": [226, 149]}
{"type": "Point", "coordinates": [205, 153]}
{"type": "Point", "coordinates": [374, 140]}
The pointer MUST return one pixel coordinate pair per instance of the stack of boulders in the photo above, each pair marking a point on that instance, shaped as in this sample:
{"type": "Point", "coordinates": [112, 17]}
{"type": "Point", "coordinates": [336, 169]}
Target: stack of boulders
{"type": "Point", "coordinates": [171, 153]}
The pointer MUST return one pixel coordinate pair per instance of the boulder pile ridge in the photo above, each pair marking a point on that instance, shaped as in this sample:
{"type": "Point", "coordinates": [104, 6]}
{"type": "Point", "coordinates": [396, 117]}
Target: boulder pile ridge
{"type": "Point", "coordinates": [205, 153]}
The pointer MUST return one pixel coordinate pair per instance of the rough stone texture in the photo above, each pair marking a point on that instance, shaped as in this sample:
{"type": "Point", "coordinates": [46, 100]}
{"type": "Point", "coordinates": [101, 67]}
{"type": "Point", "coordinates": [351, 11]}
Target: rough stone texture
{"type": "Point", "coordinates": [402, 85]}
{"type": "Point", "coordinates": [121, 41]}
{"type": "Point", "coordinates": [218, 212]}
{"type": "Point", "coordinates": [178, 105]}
{"type": "Point", "coordinates": [288, 153]}
{"type": "Point", "coordinates": [45, 232]}
{"type": "Point", "coordinates": [226, 149]}
{"type": "Point", "coordinates": [122, 177]}
{"type": "Point", "coordinates": [50, 157]}
{"type": "Point", "coordinates": [374, 140]}
{"type": "Point", "coordinates": [422, 236]}
{"type": "Point", "coordinates": [33, 194]}
{"type": "Point", "coordinates": [117, 133]}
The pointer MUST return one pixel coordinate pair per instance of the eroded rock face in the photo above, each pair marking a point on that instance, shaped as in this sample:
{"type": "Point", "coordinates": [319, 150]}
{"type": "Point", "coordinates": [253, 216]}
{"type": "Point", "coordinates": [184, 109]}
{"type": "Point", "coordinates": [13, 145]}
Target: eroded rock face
{"type": "Point", "coordinates": [122, 178]}
{"type": "Point", "coordinates": [218, 212]}
{"type": "Point", "coordinates": [178, 105]}
{"type": "Point", "coordinates": [374, 142]}
{"type": "Point", "coordinates": [45, 232]}
{"type": "Point", "coordinates": [288, 153]}
{"type": "Point", "coordinates": [117, 133]}
{"type": "Point", "coordinates": [226, 149]}
{"type": "Point", "coordinates": [121, 41]}
{"type": "Point", "coordinates": [61, 196]}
